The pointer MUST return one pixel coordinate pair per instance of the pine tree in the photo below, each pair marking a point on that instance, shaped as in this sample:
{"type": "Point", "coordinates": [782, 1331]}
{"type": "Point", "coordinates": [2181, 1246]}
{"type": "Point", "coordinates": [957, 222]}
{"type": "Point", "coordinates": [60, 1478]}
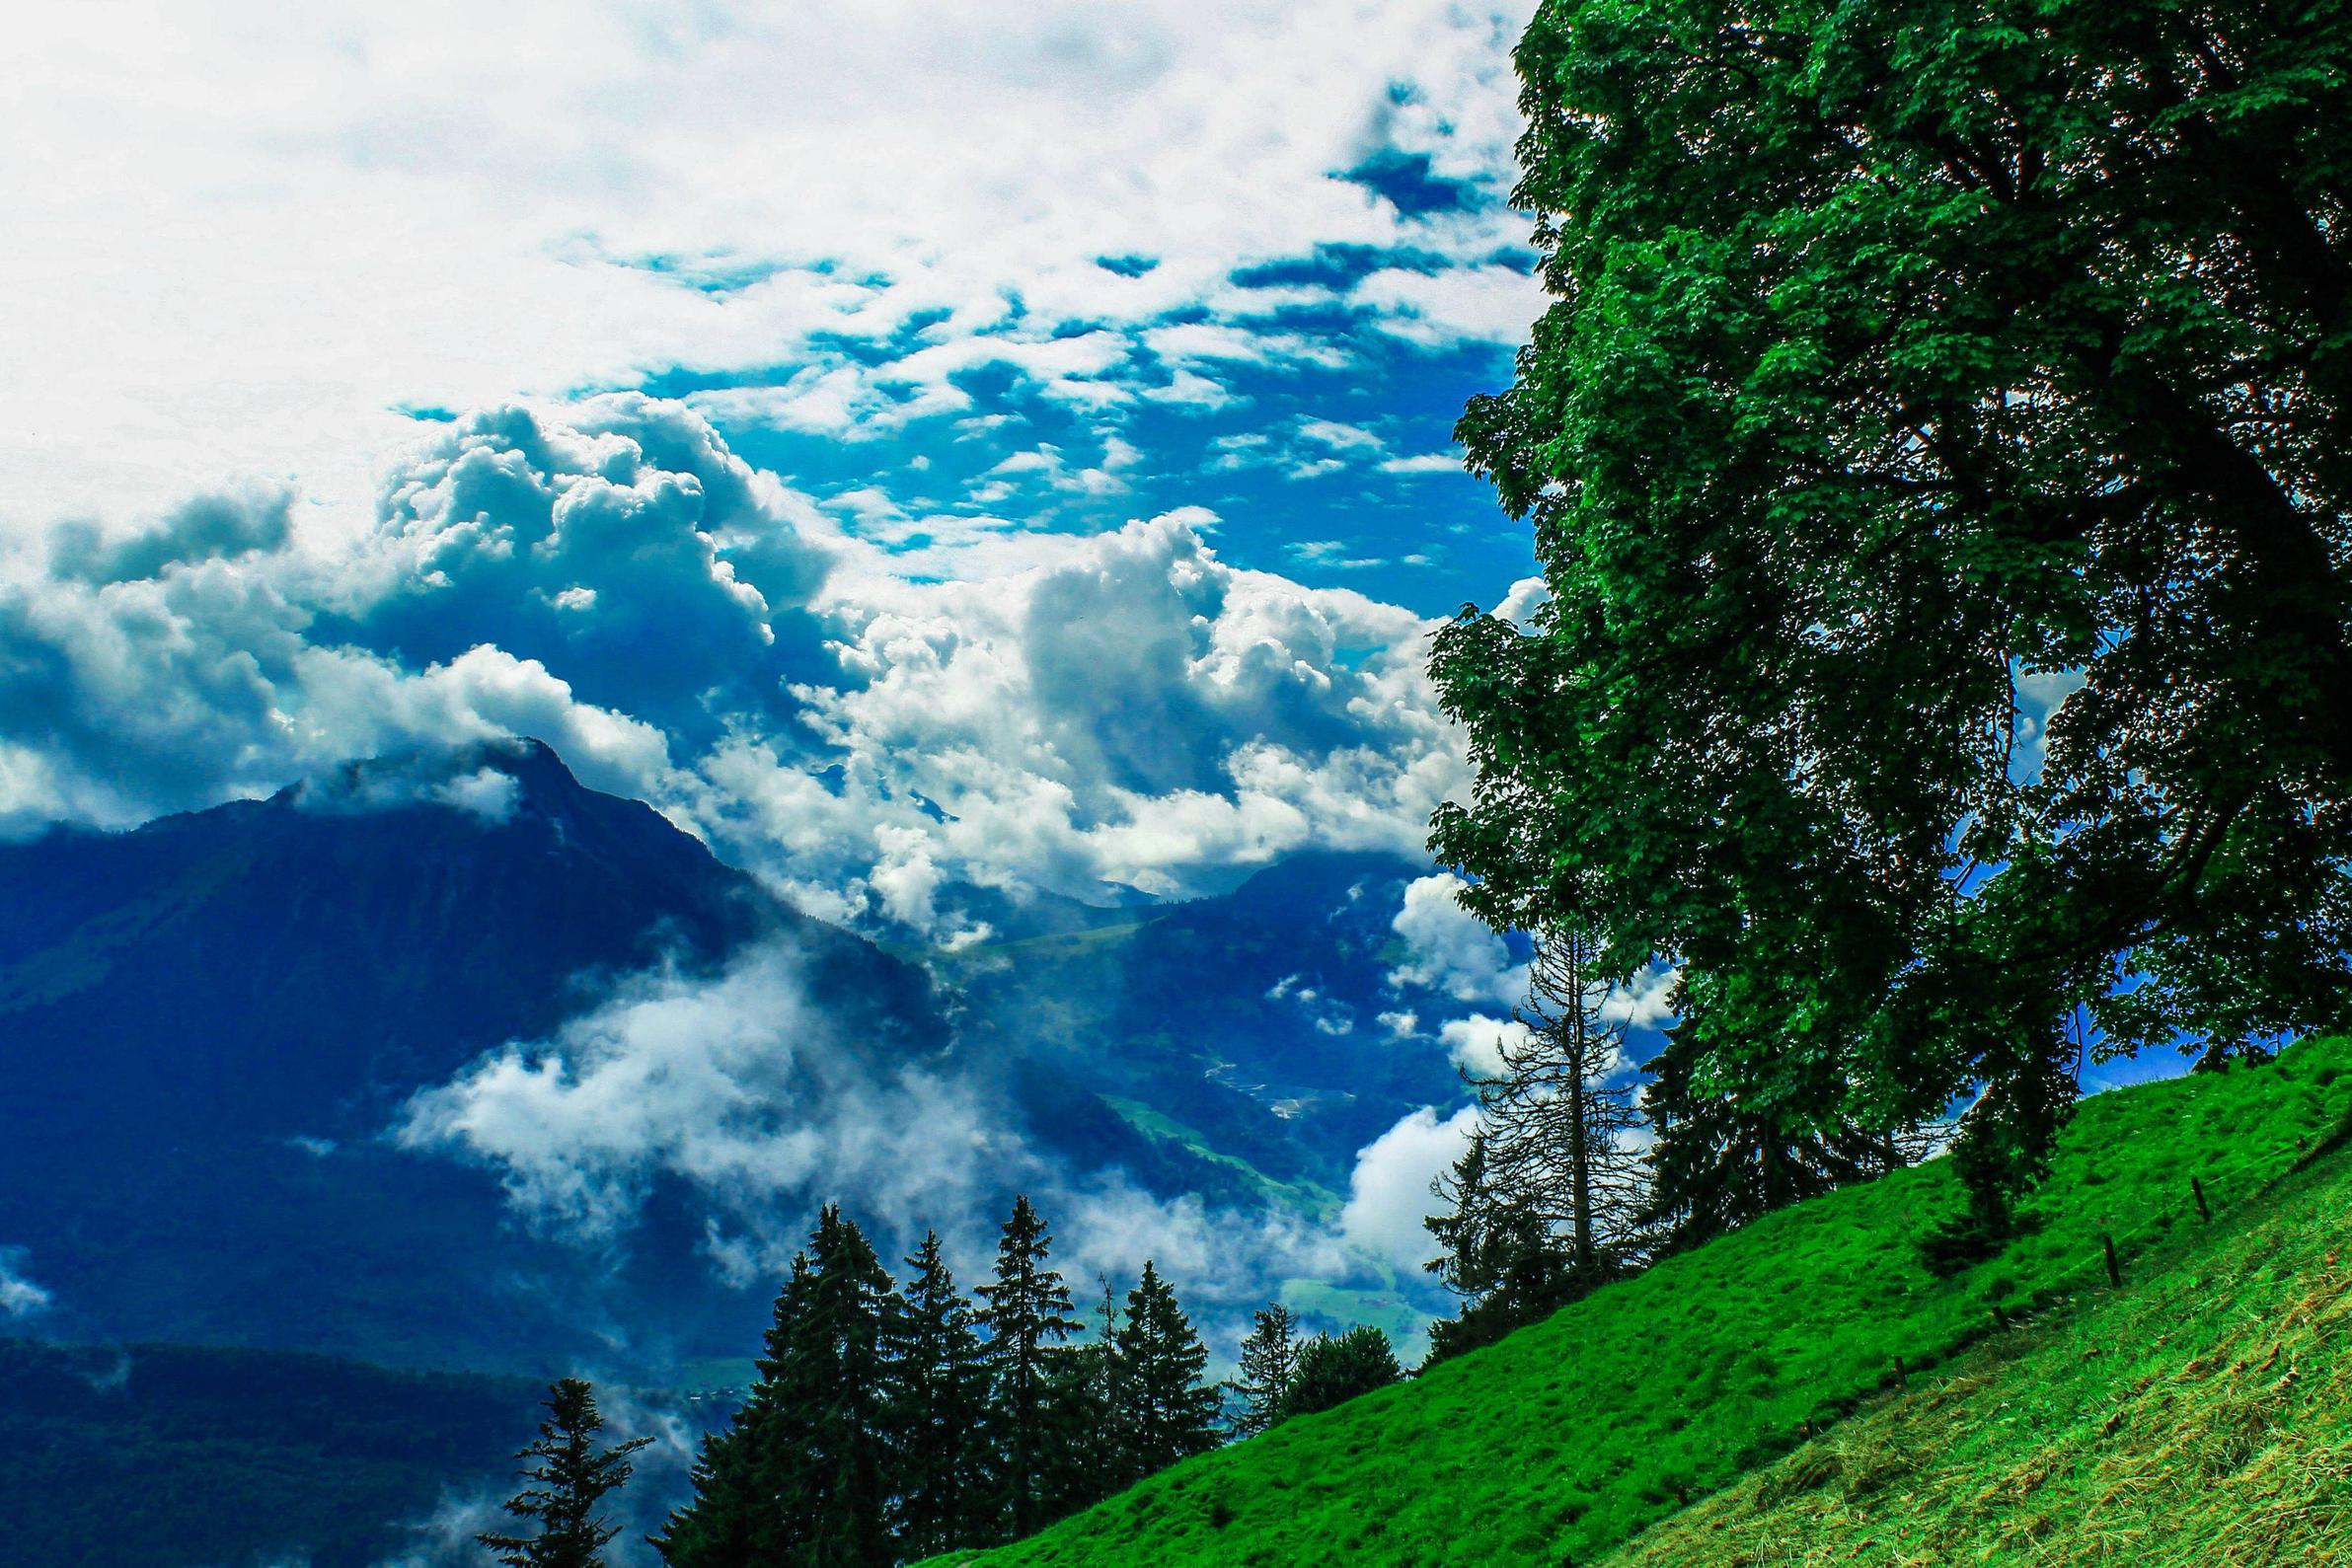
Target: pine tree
{"type": "Point", "coordinates": [802, 1476]}
{"type": "Point", "coordinates": [1162, 1412]}
{"type": "Point", "coordinates": [571, 1476]}
{"type": "Point", "coordinates": [1500, 1256]}
{"type": "Point", "coordinates": [732, 1520]}
{"type": "Point", "coordinates": [1026, 1311]}
{"type": "Point", "coordinates": [1562, 1110]}
{"type": "Point", "coordinates": [1721, 1161]}
{"type": "Point", "coordinates": [841, 1380]}
{"type": "Point", "coordinates": [1548, 1200]}
{"type": "Point", "coordinates": [1270, 1361]}
{"type": "Point", "coordinates": [938, 1405]}
{"type": "Point", "coordinates": [1334, 1370]}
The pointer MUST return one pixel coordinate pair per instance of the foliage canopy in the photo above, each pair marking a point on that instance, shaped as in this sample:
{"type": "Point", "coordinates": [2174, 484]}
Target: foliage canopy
{"type": "Point", "coordinates": [1937, 454]}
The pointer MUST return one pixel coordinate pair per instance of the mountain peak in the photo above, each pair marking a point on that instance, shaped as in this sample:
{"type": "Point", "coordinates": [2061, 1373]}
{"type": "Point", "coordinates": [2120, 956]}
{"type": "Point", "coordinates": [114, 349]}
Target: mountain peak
{"type": "Point", "coordinates": [487, 778]}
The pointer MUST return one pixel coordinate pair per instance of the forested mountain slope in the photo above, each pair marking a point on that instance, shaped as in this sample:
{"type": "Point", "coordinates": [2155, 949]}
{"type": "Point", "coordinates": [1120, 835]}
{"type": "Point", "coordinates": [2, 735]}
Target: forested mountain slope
{"type": "Point", "coordinates": [1570, 1437]}
{"type": "Point", "coordinates": [208, 1024]}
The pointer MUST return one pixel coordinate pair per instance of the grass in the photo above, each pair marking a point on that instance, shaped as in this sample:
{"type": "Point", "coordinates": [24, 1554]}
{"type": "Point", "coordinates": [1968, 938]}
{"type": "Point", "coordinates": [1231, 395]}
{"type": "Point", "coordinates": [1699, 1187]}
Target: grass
{"type": "Point", "coordinates": [2201, 1419]}
{"type": "Point", "coordinates": [1575, 1435]}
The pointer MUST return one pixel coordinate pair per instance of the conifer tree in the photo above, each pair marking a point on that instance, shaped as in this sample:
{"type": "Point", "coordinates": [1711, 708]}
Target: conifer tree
{"type": "Point", "coordinates": [937, 1409]}
{"type": "Point", "coordinates": [1270, 1361]}
{"type": "Point", "coordinates": [1562, 1109]}
{"type": "Point", "coordinates": [571, 1477]}
{"type": "Point", "coordinates": [1162, 1411]}
{"type": "Point", "coordinates": [1333, 1370]}
{"type": "Point", "coordinates": [802, 1475]}
{"type": "Point", "coordinates": [1501, 1256]}
{"type": "Point", "coordinates": [839, 1378]}
{"type": "Point", "coordinates": [1721, 1161]}
{"type": "Point", "coordinates": [1550, 1200]}
{"type": "Point", "coordinates": [1026, 1310]}
{"type": "Point", "coordinates": [731, 1518]}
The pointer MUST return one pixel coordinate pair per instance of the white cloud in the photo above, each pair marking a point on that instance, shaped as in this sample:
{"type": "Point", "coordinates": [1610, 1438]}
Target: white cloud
{"type": "Point", "coordinates": [1389, 1194]}
{"type": "Point", "coordinates": [255, 235]}
{"type": "Point", "coordinates": [1423, 463]}
{"type": "Point", "coordinates": [19, 1295]}
{"type": "Point", "coordinates": [484, 792]}
{"type": "Point", "coordinates": [1475, 1043]}
{"type": "Point", "coordinates": [1527, 596]}
{"type": "Point", "coordinates": [1486, 304]}
{"type": "Point", "coordinates": [1339, 437]}
{"type": "Point", "coordinates": [739, 1086]}
{"type": "Point", "coordinates": [1126, 709]}
{"type": "Point", "coordinates": [1450, 950]}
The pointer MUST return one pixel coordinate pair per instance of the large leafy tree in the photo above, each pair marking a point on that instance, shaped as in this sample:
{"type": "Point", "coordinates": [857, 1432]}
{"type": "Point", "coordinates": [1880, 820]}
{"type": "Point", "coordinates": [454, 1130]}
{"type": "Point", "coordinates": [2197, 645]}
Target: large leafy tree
{"type": "Point", "coordinates": [1937, 453]}
{"type": "Point", "coordinates": [1333, 1370]}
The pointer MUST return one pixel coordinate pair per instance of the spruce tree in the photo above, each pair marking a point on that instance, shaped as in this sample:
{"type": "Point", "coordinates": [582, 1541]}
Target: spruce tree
{"type": "Point", "coordinates": [571, 1477]}
{"type": "Point", "coordinates": [1026, 1311]}
{"type": "Point", "coordinates": [802, 1476]}
{"type": "Point", "coordinates": [838, 1484]}
{"type": "Point", "coordinates": [937, 1408]}
{"type": "Point", "coordinates": [1333, 1370]}
{"type": "Point", "coordinates": [1162, 1411]}
{"type": "Point", "coordinates": [1721, 1161]}
{"type": "Point", "coordinates": [732, 1520]}
{"type": "Point", "coordinates": [1270, 1361]}
{"type": "Point", "coordinates": [1501, 1256]}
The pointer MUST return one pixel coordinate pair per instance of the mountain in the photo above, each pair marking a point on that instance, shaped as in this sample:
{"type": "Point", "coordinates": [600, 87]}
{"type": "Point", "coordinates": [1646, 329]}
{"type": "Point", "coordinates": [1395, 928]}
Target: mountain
{"type": "Point", "coordinates": [206, 1024]}
{"type": "Point", "coordinates": [1570, 1437]}
{"type": "Point", "coordinates": [1245, 1027]}
{"type": "Point", "coordinates": [315, 956]}
{"type": "Point", "coordinates": [166, 1456]}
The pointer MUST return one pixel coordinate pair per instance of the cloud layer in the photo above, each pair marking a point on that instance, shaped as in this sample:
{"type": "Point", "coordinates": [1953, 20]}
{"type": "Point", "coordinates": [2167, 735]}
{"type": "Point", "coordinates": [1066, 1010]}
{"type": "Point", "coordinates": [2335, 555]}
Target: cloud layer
{"type": "Point", "coordinates": [263, 236]}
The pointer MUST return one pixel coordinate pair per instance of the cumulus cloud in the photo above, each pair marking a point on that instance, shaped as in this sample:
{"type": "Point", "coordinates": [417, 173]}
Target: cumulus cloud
{"type": "Point", "coordinates": [1128, 709]}
{"type": "Point", "coordinates": [1056, 711]}
{"type": "Point", "coordinates": [1452, 951]}
{"type": "Point", "coordinates": [1475, 1043]}
{"type": "Point", "coordinates": [1388, 1195]}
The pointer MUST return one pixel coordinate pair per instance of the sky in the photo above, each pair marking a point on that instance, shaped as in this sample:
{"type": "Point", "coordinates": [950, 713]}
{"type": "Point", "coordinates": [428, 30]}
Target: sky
{"type": "Point", "coordinates": [901, 442]}
{"type": "Point", "coordinates": [906, 444]}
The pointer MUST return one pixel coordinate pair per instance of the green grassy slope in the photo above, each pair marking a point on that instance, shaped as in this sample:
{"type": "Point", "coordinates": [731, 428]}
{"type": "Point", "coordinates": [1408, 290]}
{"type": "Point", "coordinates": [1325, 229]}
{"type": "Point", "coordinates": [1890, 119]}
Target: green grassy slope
{"type": "Point", "coordinates": [1572, 1436]}
{"type": "Point", "coordinates": [2200, 1419]}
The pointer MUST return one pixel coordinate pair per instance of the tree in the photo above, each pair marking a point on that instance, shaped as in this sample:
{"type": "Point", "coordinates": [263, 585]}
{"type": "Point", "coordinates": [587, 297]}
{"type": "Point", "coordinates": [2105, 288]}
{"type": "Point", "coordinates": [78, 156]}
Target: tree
{"type": "Point", "coordinates": [802, 1474]}
{"type": "Point", "coordinates": [934, 1413]}
{"type": "Point", "coordinates": [1547, 1202]}
{"type": "Point", "coordinates": [1721, 1161]}
{"type": "Point", "coordinates": [830, 1454]}
{"type": "Point", "coordinates": [1334, 1370]}
{"type": "Point", "coordinates": [732, 1518]}
{"type": "Point", "coordinates": [1935, 455]}
{"type": "Point", "coordinates": [1270, 1361]}
{"type": "Point", "coordinates": [571, 1479]}
{"type": "Point", "coordinates": [1499, 1255]}
{"type": "Point", "coordinates": [1562, 1110]}
{"type": "Point", "coordinates": [1160, 1410]}
{"type": "Point", "coordinates": [1026, 1311]}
